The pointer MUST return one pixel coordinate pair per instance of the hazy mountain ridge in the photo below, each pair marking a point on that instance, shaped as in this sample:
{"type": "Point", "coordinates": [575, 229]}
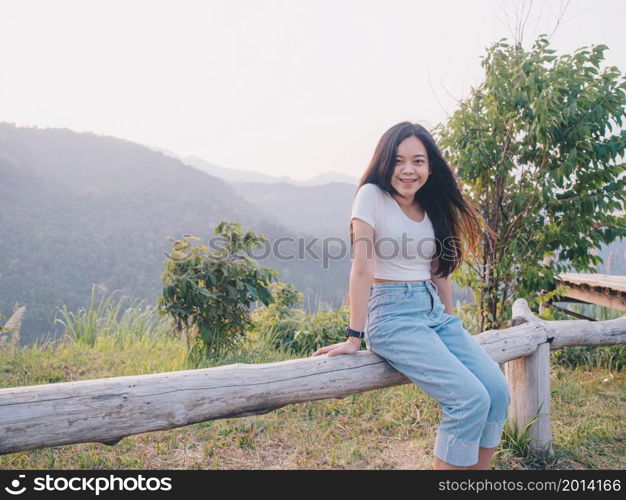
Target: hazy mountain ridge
{"type": "Point", "coordinates": [77, 209]}
{"type": "Point", "coordinates": [236, 175]}
{"type": "Point", "coordinates": [324, 210]}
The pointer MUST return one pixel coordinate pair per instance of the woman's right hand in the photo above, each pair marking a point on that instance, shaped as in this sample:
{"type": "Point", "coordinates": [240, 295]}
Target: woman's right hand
{"type": "Point", "coordinates": [347, 347]}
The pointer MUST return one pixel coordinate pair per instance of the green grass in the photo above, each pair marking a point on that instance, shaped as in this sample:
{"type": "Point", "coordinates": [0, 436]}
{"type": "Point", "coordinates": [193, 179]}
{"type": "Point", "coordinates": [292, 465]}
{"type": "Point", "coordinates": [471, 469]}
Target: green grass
{"type": "Point", "coordinates": [392, 428]}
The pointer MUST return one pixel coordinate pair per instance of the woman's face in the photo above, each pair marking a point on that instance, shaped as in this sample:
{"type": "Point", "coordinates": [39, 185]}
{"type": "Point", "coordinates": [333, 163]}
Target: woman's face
{"type": "Point", "coordinates": [412, 168]}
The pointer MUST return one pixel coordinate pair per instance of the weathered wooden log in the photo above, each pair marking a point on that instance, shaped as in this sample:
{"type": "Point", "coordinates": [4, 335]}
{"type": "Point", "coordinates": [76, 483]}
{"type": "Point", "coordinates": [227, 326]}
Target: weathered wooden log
{"type": "Point", "coordinates": [574, 331]}
{"type": "Point", "coordinates": [529, 385]}
{"type": "Point", "coordinates": [106, 410]}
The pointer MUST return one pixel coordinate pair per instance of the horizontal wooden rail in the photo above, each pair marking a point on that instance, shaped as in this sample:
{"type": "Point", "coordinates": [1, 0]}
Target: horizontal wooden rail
{"type": "Point", "coordinates": [109, 409]}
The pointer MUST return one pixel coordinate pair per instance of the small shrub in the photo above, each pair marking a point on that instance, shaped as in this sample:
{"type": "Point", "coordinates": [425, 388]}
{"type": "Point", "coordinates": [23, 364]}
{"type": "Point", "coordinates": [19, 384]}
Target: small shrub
{"type": "Point", "coordinates": [208, 294]}
{"type": "Point", "coordinates": [286, 326]}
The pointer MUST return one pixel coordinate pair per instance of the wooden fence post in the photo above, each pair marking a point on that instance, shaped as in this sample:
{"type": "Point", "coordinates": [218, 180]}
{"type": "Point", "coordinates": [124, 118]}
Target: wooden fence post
{"type": "Point", "coordinates": [529, 384]}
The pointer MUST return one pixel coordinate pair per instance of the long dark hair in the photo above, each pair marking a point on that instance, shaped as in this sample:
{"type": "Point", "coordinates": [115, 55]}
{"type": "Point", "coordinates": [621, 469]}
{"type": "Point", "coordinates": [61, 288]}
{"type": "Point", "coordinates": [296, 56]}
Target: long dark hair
{"type": "Point", "coordinates": [455, 220]}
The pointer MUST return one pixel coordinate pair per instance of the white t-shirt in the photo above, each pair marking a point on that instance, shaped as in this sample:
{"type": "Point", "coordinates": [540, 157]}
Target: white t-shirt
{"type": "Point", "coordinates": [404, 248]}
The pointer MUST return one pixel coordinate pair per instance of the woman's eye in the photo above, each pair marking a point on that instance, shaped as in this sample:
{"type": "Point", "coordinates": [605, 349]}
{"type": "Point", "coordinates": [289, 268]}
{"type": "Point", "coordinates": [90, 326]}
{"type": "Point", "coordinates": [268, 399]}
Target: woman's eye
{"type": "Point", "coordinates": [419, 162]}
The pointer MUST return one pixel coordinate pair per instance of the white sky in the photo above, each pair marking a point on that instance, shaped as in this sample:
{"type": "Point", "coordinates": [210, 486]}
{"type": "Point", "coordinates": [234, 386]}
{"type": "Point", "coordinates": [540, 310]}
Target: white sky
{"type": "Point", "coordinates": [285, 87]}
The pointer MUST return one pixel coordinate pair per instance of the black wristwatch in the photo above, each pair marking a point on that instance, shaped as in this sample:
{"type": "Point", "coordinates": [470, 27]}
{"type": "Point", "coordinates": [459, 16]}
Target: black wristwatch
{"type": "Point", "coordinates": [353, 333]}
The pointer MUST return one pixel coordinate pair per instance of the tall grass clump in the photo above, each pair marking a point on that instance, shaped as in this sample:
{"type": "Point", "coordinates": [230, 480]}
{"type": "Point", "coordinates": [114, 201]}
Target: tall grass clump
{"type": "Point", "coordinates": [106, 318]}
{"type": "Point", "coordinates": [285, 326]}
{"type": "Point", "coordinates": [516, 442]}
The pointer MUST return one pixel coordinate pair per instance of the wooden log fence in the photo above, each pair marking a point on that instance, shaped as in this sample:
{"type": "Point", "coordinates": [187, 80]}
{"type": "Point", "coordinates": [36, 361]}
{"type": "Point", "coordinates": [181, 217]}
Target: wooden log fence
{"type": "Point", "coordinates": [109, 409]}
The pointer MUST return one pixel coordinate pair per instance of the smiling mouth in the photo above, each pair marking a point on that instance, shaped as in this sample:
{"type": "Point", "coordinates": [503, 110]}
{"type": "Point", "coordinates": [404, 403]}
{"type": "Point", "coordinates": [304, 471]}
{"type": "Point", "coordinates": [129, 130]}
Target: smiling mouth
{"type": "Point", "coordinates": [408, 181]}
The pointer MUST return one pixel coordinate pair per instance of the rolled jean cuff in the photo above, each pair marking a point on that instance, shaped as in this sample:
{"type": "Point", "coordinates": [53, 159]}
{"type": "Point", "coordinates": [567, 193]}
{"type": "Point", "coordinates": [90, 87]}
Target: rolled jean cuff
{"type": "Point", "coordinates": [455, 451]}
{"type": "Point", "coordinates": [492, 433]}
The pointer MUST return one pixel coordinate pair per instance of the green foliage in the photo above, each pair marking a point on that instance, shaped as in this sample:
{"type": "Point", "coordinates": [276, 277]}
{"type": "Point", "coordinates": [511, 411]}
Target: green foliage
{"type": "Point", "coordinates": [285, 326]}
{"type": "Point", "coordinates": [208, 293]}
{"type": "Point", "coordinates": [518, 440]}
{"type": "Point", "coordinates": [537, 146]}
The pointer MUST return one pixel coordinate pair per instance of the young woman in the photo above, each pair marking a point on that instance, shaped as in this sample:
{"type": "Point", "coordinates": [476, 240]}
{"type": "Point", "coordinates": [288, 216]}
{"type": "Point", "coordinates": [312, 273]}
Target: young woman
{"type": "Point", "coordinates": [409, 222]}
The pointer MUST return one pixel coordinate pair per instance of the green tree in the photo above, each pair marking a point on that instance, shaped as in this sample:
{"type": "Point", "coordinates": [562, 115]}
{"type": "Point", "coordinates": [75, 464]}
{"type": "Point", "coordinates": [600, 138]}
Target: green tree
{"type": "Point", "coordinates": [537, 146]}
{"type": "Point", "coordinates": [209, 293]}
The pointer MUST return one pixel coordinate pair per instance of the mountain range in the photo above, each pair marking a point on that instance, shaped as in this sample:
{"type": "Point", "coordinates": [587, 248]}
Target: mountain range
{"type": "Point", "coordinates": [78, 209]}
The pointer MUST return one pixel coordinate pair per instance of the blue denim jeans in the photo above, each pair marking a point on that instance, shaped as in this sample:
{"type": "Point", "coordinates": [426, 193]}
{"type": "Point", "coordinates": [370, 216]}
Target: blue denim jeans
{"type": "Point", "coordinates": [407, 326]}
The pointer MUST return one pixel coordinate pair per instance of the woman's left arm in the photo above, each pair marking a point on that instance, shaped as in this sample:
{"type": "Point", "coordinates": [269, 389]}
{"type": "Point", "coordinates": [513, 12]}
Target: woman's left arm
{"type": "Point", "coordinates": [444, 287]}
